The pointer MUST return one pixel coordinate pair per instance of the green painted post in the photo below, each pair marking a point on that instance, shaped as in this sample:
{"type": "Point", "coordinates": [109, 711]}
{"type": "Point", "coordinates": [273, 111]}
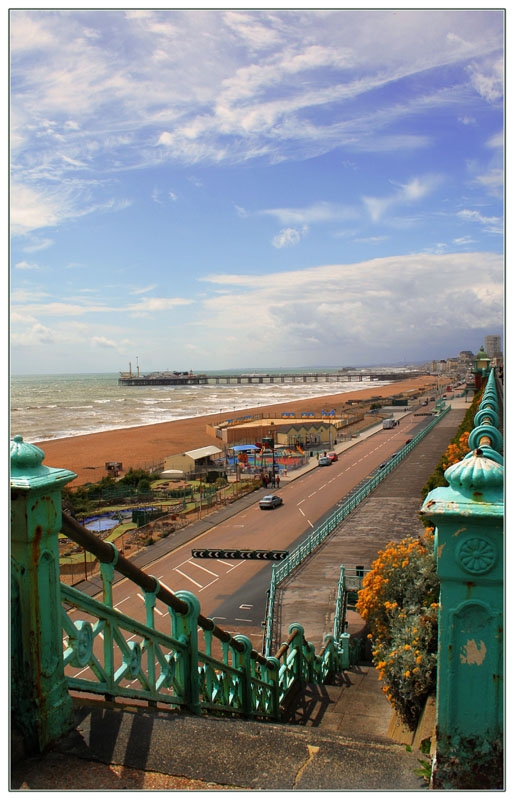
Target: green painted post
{"type": "Point", "coordinates": [469, 551]}
{"type": "Point", "coordinates": [243, 663]}
{"type": "Point", "coordinates": [185, 629]}
{"type": "Point", "coordinates": [40, 703]}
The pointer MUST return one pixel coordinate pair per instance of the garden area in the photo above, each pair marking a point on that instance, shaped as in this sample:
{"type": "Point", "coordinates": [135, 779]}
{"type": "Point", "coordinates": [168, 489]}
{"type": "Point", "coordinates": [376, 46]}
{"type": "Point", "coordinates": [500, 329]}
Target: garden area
{"type": "Point", "coordinates": [137, 510]}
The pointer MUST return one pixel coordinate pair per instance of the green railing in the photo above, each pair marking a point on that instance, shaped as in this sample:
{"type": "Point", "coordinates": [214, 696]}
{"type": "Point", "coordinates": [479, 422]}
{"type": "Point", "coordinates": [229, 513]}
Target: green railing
{"type": "Point", "coordinates": [297, 556]}
{"type": "Point", "coordinates": [197, 666]}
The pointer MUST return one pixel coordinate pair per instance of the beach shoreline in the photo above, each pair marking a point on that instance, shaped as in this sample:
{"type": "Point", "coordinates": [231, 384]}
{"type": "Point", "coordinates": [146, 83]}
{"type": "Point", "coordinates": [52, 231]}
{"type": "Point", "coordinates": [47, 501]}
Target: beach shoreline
{"type": "Point", "coordinates": [144, 446]}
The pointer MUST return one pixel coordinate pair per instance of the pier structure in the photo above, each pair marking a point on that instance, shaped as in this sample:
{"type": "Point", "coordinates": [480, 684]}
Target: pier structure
{"type": "Point", "coordinates": [189, 379]}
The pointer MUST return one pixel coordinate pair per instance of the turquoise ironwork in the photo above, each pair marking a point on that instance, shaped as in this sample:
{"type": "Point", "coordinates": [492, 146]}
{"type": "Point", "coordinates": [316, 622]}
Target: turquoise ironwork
{"type": "Point", "coordinates": [282, 570]}
{"type": "Point", "coordinates": [40, 703]}
{"type": "Point", "coordinates": [469, 550]}
{"type": "Point", "coordinates": [97, 649]}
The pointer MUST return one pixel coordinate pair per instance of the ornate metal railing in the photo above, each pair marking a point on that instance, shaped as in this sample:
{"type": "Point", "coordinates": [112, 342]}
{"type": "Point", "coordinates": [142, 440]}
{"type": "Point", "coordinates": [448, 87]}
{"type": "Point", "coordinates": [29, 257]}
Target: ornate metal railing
{"type": "Point", "coordinates": [314, 539]}
{"type": "Point", "coordinates": [132, 659]}
{"type": "Point", "coordinates": [64, 641]}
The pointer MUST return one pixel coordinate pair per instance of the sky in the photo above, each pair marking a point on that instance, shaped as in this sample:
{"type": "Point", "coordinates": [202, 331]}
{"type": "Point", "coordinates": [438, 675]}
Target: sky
{"type": "Point", "coordinates": [216, 189]}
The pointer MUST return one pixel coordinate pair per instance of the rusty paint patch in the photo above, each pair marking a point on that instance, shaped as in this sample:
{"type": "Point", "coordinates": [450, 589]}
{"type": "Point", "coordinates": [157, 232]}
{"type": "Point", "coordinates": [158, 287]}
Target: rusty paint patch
{"type": "Point", "coordinates": [473, 653]}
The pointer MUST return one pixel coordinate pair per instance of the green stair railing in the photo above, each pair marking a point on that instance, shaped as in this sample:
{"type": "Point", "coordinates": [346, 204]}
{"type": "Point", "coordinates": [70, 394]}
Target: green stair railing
{"type": "Point", "coordinates": [65, 642]}
{"type": "Point", "coordinates": [314, 539]}
{"type": "Point", "coordinates": [132, 659]}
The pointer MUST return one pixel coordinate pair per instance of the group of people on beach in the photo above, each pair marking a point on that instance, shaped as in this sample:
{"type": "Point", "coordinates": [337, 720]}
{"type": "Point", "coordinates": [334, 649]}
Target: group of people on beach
{"type": "Point", "coordinates": [270, 479]}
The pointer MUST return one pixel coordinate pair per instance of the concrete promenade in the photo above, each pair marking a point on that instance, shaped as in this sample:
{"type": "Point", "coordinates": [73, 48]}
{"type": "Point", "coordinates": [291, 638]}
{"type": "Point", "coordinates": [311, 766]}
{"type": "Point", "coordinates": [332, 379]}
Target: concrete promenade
{"type": "Point", "coordinates": [389, 513]}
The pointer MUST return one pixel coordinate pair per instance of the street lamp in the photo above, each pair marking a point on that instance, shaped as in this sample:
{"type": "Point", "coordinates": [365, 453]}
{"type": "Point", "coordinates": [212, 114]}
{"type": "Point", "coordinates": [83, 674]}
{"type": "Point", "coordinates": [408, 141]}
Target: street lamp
{"type": "Point", "coordinates": [271, 442]}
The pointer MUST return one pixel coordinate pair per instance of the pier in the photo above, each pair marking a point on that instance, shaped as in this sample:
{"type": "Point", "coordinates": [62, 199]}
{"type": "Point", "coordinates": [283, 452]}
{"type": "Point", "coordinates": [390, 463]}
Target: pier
{"type": "Point", "coordinates": [189, 379]}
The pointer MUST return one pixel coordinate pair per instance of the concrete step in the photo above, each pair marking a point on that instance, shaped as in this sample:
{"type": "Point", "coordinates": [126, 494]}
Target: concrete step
{"type": "Point", "coordinates": [226, 753]}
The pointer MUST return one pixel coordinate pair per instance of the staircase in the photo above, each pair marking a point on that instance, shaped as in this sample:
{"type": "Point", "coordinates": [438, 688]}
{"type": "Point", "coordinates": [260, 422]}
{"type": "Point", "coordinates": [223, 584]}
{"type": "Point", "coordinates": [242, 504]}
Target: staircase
{"type": "Point", "coordinates": [335, 740]}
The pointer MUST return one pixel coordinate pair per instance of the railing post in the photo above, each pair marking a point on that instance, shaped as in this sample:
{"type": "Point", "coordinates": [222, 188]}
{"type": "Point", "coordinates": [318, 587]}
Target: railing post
{"type": "Point", "coordinates": [185, 629]}
{"type": "Point", "coordinates": [40, 704]}
{"type": "Point", "coordinates": [244, 665]}
{"type": "Point", "coordinates": [469, 552]}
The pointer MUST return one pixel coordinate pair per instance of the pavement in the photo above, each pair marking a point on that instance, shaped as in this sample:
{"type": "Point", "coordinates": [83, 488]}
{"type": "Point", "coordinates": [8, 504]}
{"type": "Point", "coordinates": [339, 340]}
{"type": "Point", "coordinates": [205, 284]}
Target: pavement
{"type": "Point", "coordinates": [337, 738]}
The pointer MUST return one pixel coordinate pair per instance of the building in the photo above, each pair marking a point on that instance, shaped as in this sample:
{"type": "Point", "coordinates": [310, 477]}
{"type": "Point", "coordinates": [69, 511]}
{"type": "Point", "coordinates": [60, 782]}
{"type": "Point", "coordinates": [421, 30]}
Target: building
{"type": "Point", "coordinates": [493, 346]}
{"type": "Point", "coordinates": [194, 462]}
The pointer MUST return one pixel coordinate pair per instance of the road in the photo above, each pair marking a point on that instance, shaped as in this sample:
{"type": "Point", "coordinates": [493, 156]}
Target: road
{"type": "Point", "coordinates": [233, 592]}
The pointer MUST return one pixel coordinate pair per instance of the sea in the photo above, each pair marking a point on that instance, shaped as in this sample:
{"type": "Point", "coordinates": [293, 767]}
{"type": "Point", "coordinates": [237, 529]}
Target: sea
{"type": "Point", "coordinates": [45, 407]}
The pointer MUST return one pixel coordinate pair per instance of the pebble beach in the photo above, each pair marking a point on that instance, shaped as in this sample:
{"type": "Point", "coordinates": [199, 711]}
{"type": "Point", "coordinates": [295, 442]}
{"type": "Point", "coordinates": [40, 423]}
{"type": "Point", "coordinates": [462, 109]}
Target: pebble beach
{"type": "Point", "coordinates": [148, 445]}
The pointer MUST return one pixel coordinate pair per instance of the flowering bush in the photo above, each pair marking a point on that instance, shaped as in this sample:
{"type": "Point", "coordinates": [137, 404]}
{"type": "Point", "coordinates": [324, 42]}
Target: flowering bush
{"type": "Point", "coordinates": [399, 601]}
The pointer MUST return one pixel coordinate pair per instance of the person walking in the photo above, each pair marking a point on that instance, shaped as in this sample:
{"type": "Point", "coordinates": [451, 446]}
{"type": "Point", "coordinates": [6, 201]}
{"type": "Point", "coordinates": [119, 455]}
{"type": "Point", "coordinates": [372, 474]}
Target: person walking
{"type": "Point", "coordinates": [277, 481]}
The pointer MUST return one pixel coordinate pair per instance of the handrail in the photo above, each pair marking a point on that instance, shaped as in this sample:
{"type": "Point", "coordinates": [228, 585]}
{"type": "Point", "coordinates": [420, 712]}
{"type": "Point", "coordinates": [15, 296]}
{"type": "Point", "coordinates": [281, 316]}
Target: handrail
{"type": "Point", "coordinates": [107, 553]}
{"type": "Point", "coordinates": [305, 548]}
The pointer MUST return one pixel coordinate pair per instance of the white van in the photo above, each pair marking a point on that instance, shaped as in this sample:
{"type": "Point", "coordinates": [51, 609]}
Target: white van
{"type": "Point", "coordinates": [388, 423]}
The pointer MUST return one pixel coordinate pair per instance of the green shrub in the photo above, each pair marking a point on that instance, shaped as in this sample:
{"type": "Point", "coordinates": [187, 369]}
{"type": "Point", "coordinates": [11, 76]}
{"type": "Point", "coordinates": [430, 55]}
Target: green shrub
{"type": "Point", "coordinates": [399, 601]}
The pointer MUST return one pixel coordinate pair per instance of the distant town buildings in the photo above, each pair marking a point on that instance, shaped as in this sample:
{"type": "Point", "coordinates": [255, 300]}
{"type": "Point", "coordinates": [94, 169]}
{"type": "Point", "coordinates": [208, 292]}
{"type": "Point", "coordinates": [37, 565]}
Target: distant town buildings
{"type": "Point", "coordinates": [460, 365]}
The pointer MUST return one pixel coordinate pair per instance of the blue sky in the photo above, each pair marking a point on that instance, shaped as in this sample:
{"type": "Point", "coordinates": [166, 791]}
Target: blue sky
{"type": "Point", "coordinates": [213, 189]}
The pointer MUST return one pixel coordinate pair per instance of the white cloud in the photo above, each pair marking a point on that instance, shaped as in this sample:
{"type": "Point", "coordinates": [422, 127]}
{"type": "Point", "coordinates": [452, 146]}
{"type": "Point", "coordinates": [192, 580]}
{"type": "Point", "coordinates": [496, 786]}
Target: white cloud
{"type": "Point", "coordinates": [491, 224]}
{"type": "Point", "coordinates": [487, 79]}
{"type": "Point", "coordinates": [310, 215]}
{"type": "Point", "coordinates": [144, 289]}
{"type": "Point", "coordinates": [416, 189]}
{"type": "Point", "coordinates": [288, 237]}
{"type": "Point", "coordinates": [26, 265]}
{"type": "Point", "coordinates": [101, 341]}
{"type": "Point", "coordinates": [343, 308]}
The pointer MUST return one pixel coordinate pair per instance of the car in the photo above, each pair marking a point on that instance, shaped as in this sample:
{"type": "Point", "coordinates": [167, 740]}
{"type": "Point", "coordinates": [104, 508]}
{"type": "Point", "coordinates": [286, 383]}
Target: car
{"type": "Point", "coordinates": [270, 501]}
{"type": "Point", "coordinates": [333, 456]}
{"type": "Point", "coordinates": [324, 461]}
{"type": "Point", "coordinates": [407, 441]}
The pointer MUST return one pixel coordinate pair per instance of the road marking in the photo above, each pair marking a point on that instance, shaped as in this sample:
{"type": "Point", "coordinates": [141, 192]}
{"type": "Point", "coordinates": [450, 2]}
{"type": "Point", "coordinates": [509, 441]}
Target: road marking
{"type": "Point", "coordinates": [81, 671]}
{"type": "Point", "coordinates": [189, 579]}
{"type": "Point", "coordinates": [301, 511]}
{"type": "Point", "coordinates": [246, 606]}
{"type": "Point", "coordinates": [141, 596]}
{"type": "Point", "coordinates": [207, 585]}
{"type": "Point", "coordinates": [121, 601]}
{"type": "Point", "coordinates": [239, 619]}
{"type": "Point", "coordinates": [160, 612]}
{"type": "Point", "coordinates": [301, 501]}
{"type": "Point", "coordinates": [310, 523]}
{"type": "Point", "coordinates": [194, 564]}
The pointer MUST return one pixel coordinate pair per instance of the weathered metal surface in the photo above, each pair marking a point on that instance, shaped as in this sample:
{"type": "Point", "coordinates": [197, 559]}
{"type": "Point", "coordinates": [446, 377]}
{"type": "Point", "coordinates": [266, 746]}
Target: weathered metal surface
{"type": "Point", "coordinates": [40, 703]}
{"type": "Point", "coordinates": [469, 547]}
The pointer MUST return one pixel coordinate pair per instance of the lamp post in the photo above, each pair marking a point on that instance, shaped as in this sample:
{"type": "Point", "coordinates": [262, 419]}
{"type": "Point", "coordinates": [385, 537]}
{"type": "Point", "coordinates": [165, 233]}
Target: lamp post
{"type": "Point", "coordinates": [270, 440]}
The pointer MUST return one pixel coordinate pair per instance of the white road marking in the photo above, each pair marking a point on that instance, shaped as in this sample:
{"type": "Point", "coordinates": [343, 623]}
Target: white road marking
{"type": "Point", "coordinates": [239, 619]}
{"type": "Point", "coordinates": [207, 585]}
{"type": "Point", "coordinates": [121, 601]}
{"type": "Point", "coordinates": [194, 564]}
{"type": "Point", "coordinates": [189, 579]}
{"type": "Point", "coordinates": [246, 605]}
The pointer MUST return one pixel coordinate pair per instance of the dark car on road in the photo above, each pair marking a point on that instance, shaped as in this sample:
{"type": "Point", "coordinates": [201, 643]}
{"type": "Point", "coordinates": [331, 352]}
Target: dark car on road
{"type": "Point", "coordinates": [270, 501]}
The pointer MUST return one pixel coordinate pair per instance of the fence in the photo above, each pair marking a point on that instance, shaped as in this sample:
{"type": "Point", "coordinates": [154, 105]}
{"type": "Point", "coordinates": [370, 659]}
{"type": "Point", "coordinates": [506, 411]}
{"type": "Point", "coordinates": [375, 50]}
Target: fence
{"type": "Point", "coordinates": [294, 559]}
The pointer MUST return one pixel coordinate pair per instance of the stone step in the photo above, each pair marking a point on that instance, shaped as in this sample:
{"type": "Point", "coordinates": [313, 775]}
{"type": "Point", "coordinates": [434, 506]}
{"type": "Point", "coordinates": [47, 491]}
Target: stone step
{"type": "Point", "coordinates": [235, 753]}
